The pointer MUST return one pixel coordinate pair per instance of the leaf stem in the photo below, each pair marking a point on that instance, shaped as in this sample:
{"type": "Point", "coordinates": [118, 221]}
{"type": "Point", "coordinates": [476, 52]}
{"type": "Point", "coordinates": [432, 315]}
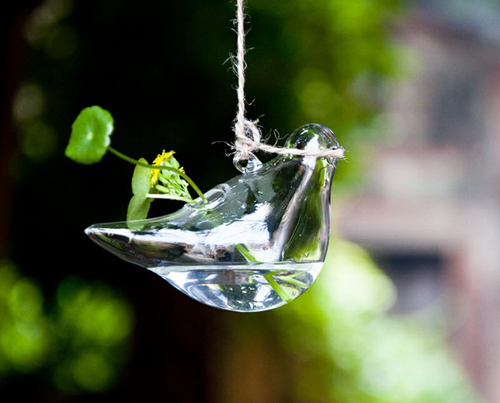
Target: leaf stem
{"type": "Point", "coordinates": [177, 171]}
{"type": "Point", "coordinates": [246, 254]}
{"type": "Point", "coordinates": [293, 281]}
{"type": "Point", "coordinates": [268, 276]}
{"type": "Point", "coordinates": [280, 291]}
{"type": "Point", "coordinates": [164, 196]}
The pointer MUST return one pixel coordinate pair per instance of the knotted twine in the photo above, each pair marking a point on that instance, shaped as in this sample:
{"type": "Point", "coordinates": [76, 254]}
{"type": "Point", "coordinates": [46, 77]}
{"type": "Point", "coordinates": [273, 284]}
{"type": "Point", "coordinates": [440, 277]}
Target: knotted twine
{"type": "Point", "coordinates": [248, 135]}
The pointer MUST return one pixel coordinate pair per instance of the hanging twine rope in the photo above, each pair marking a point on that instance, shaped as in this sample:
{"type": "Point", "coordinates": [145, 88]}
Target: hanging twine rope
{"type": "Point", "coordinates": [248, 135]}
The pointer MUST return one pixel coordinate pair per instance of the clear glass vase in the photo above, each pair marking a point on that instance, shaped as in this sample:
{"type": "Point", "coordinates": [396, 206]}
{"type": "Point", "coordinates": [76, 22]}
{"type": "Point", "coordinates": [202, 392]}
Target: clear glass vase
{"type": "Point", "coordinates": [258, 243]}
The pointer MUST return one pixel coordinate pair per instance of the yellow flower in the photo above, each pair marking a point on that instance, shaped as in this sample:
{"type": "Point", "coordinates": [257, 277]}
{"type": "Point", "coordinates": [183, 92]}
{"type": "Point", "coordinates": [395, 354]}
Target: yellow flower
{"type": "Point", "coordinates": [159, 161]}
{"type": "Point", "coordinates": [163, 157]}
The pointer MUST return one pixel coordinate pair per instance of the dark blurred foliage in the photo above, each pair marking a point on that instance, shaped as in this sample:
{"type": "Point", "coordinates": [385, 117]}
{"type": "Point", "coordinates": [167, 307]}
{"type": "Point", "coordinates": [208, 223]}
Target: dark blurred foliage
{"type": "Point", "coordinates": [161, 69]}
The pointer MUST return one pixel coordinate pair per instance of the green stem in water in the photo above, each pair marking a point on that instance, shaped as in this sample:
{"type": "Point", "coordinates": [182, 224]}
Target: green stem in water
{"type": "Point", "coordinates": [246, 254]}
{"type": "Point", "coordinates": [293, 281]}
{"type": "Point", "coordinates": [177, 171]}
{"type": "Point", "coordinates": [269, 276]}
{"type": "Point", "coordinates": [280, 291]}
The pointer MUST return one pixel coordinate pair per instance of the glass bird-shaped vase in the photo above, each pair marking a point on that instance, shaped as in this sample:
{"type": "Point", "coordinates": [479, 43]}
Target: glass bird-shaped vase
{"type": "Point", "coordinates": [258, 243]}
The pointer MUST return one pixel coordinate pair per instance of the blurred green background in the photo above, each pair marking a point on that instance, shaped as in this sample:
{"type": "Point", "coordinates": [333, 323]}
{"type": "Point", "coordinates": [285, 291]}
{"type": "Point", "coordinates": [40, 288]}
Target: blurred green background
{"type": "Point", "coordinates": [77, 324]}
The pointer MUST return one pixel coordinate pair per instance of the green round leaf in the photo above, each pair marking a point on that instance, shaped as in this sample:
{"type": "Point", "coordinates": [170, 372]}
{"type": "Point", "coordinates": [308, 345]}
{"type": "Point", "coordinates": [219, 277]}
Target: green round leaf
{"type": "Point", "coordinates": [141, 180]}
{"type": "Point", "coordinates": [90, 135]}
